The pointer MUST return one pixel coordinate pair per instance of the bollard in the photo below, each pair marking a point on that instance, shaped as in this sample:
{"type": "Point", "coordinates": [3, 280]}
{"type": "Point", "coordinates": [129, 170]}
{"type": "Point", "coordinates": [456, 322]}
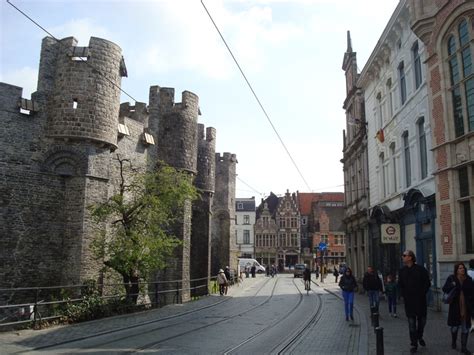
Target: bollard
{"type": "Point", "coordinates": [373, 310]}
{"type": "Point", "coordinates": [375, 323]}
{"type": "Point", "coordinates": [379, 338]}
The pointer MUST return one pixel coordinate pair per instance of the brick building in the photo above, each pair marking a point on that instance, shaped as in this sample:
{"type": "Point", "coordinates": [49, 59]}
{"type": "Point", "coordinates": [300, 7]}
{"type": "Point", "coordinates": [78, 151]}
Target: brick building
{"type": "Point", "coordinates": [447, 31]}
{"type": "Point", "coordinates": [327, 215]}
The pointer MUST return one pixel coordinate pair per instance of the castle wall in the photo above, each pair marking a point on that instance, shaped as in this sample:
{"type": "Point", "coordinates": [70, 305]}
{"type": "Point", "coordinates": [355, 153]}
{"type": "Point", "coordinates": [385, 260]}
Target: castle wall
{"type": "Point", "coordinates": [177, 146]}
{"type": "Point", "coordinates": [201, 218]}
{"type": "Point", "coordinates": [223, 244]}
{"type": "Point", "coordinates": [62, 158]}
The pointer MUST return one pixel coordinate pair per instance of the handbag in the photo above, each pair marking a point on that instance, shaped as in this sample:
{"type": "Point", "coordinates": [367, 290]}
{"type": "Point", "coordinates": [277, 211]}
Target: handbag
{"type": "Point", "coordinates": [449, 296]}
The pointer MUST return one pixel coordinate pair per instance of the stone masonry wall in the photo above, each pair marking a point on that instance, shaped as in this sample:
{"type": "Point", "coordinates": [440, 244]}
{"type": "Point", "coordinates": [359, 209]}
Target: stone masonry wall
{"type": "Point", "coordinates": [59, 160]}
{"type": "Point", "coordinates": [224, 248]}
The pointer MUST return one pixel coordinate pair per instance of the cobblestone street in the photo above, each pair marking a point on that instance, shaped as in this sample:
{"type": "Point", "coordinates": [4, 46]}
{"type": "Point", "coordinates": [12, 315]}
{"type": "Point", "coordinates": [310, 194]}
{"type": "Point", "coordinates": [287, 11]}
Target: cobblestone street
{"type": "Point", "coordinates": [263, 315]}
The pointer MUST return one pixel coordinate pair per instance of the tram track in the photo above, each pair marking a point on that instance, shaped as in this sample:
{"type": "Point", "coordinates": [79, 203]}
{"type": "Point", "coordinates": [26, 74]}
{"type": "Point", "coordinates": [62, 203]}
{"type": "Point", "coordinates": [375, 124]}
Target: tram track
{"type": "Point", "coordinates": [292, 341]}
{"type": "Point", "coordinates": [110, 332]}
{"type": "Point", "coordinates": [153, 344]}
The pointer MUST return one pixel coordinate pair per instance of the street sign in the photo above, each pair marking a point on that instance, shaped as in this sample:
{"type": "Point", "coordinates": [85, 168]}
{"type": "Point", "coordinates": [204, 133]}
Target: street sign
{"type": "Point", "coordinates": [390, 233]}
{"type": "Point", "coordinates": [322, 246]}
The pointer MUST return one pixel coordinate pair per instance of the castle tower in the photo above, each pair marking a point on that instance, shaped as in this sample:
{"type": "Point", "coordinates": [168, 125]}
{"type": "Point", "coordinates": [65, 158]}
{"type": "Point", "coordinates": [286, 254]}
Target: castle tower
{"type": "Point", "coordinates": [83, 89]}
{"type": "Point", "coordinates": [177, 145]}
{"type": "Point", "coordinates": [201, 228]}
{"type": "Point", "coordinates": [64, 146]}
{"type": "Point", "coordinates": [224, 250]}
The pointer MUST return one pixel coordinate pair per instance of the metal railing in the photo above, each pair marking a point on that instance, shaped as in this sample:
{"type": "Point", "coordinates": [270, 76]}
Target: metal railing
{"type": "Point", "coordinates": [32, 306]}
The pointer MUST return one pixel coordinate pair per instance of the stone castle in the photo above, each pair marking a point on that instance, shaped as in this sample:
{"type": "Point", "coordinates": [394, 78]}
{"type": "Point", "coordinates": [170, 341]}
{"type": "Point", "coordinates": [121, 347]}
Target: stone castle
{"type": "Point", "coordinates": [58, 156]}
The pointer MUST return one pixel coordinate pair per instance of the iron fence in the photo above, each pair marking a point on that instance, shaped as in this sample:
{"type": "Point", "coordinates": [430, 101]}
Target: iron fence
{"type": "Point", "coordinates": [32, 306]}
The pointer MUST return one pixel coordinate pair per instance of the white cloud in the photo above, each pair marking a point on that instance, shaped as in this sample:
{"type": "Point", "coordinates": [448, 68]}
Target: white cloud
{"type": "Point", "coordinates": [189, 41]}
{"type": "Point", "coordinates": [82, 29]}
{"type": "Point", "coordinates": [25, 77]}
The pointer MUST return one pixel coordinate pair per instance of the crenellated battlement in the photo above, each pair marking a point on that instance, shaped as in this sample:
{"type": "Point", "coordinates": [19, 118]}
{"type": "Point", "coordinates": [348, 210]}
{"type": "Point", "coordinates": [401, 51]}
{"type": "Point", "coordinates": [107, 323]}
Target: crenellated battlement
{"type": "Point", "coordinates": [163, 99]}
{"type": "Point", "coordinates": [226, 157]}
{"type": "Point", "coordinates": [10, 96]}
{"type": "Point", "coordinates": [206, 166]}
{"type": "Point", "coordinates": [137, 112]}
{"type": "Point", "coordinates": [81, 86]}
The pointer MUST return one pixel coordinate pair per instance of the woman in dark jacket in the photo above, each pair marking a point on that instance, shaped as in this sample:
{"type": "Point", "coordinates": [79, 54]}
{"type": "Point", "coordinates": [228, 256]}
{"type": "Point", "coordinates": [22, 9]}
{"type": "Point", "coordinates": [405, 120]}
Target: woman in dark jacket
{"type": "Point", "coordinates": [348, 284]}
{"type": "Point", "coordinates": [461, 305]}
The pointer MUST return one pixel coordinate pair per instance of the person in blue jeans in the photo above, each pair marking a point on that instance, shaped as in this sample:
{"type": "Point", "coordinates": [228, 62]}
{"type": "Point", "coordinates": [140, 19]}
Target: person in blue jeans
{"type": "Point", "coordinates": [391, 292]}
{"type": "Point", "coordinates": [373, 285]}
{"type": "Point", "coordinates": [348, 284]}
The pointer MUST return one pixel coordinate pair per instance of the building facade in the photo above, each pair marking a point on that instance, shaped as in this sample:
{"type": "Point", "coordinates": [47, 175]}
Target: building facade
{"type": "Point", "coordinates": [245, 216]}
{"type": "Point", "coordinates": [277, 231]}
{"type": "Point", "coordinates": [287, 216]}
{"type": "Point", "coordinates": [305, 202]}
{"type": "Point", "coordinates": [266, 232]}
{"type": "Point", "coordinates": [328, 216]}
{"type": "Point", "coordinates": [61, 150]}
{"type": "Point", "coordinates": [355, 166]}
{"type": "Point", "coordinates": [446, 30]}
{"type": "Point", "coordinates": [402, 210]}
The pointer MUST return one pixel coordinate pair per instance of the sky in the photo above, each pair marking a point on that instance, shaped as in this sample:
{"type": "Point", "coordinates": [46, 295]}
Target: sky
{"type": "Point", "coordinates": [291, 52]}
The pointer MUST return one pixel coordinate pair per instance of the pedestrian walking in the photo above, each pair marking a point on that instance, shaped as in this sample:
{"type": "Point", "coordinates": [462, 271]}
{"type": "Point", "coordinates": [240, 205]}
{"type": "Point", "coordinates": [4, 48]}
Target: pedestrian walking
{"type": "Point", "coordinates": [414, 283]}
{"type": "Point", "coordinates": [460, 307]}
{"type": "Point", "coordinates": [470, 272]}
{"type": "Point", "coordinates": [222, 281]}
{"type": "Point", "coordinates": [253, 269]}
{"type": "Point", "coordinates": [348, 285]}
{"type": "Point", "coordinates": [229, 279]}
{"type": "Point", "coordinates": [335, 273]}
{"type": "Point", "coordinates": [372, 284]}
{"type": "Point", "coordinates": [391, 292]}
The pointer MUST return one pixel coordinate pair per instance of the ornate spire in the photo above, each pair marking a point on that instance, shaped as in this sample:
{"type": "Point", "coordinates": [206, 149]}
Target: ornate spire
{"type": "Point", "coordinates": [349, 42]}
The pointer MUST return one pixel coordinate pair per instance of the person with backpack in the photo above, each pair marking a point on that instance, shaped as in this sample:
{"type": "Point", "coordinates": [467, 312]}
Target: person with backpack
{"type": "Point", "coordinates": [348, 285]}
{"type": "Point", "coordinates": [222, 281]}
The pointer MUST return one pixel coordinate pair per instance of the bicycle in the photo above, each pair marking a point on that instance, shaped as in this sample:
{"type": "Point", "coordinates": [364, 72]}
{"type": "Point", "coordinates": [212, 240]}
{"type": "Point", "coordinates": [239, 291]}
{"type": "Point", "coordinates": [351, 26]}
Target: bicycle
{"type": "Point", "coordinates": [307, 286]}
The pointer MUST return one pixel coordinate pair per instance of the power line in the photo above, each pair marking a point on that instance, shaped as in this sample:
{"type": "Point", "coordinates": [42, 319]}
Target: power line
{"type": "Point", "coordinates": [243, 182]}
{"type": "Point", "coordinates": [58, 41]}
{"type": "Point", "coordinates": [256, 97]}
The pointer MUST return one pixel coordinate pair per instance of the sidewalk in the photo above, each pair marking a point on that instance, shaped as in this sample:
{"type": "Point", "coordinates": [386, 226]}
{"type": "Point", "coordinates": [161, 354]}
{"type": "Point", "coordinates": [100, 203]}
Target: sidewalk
{"type": "Point", "coordinates": [28, 339]}
{"type": "Point", "coordinates": [396, 337]}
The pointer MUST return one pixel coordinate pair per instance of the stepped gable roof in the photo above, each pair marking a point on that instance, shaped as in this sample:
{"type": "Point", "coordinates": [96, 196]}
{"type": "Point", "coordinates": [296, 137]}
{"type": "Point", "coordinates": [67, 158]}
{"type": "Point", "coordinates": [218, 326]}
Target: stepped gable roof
{"type": "Point", "coordinates": [272, 203]}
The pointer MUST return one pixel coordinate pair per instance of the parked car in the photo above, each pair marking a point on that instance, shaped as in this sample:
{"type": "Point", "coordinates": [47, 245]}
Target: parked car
{"type": "Point", "coordinates": [299, 269]}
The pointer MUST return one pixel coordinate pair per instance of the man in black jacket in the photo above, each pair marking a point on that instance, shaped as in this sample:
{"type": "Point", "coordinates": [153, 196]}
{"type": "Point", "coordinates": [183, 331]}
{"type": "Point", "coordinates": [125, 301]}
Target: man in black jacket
{"type": "Point", "coordinates": [414, 283]}
{"type": "Point", "coordinates": [373, 285]}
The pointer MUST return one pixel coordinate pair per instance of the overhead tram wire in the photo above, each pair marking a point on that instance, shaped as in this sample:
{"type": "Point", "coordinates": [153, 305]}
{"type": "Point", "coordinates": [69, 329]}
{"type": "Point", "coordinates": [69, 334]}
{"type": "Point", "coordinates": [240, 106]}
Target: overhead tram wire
{"type": "Point", "coordinates": [256, 97]}
{"type": "Point", "coordinates": [243, 182]}
{"type": "Point", "coordinates": [58, 41]}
